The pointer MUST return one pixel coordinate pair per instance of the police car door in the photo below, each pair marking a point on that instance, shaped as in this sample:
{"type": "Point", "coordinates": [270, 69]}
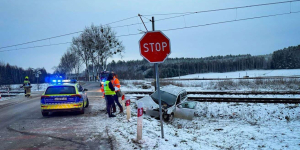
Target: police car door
{"type": "Point", "coordinates": [81, 92]}
{"type": "Point", "coordinates": [185, 110]}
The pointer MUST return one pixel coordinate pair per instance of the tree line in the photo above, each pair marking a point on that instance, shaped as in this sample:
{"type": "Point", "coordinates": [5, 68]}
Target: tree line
{"type": "Point", "coordinates": [287, 58]}
{"type": "Point", "coordinates": [16, 75]}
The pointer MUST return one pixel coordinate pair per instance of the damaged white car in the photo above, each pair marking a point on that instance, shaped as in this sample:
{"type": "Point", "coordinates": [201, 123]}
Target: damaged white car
{"type": "Point", "coordinates": [174, 104]}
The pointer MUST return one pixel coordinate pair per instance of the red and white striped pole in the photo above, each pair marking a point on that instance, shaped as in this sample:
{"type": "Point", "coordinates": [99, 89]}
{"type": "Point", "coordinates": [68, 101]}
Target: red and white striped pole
{"type": "Point", "coordinates": [139, 121]}
{"type": "Point", "coordinates": [123, 101]}
{"type": "Point", "coordinates": [128, 111]}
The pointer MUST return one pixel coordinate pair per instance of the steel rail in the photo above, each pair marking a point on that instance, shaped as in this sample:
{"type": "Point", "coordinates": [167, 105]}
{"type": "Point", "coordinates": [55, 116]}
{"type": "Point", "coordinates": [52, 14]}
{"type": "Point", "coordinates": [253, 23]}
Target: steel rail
{"type": "Point", "coordinates": [226, 92]}
{"type": "Point", "coordinates": [240, 100]}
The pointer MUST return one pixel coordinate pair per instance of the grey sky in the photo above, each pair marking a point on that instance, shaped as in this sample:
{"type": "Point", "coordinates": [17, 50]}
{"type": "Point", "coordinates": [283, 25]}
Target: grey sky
{"type": "Point", "coordinates": [22, 21]}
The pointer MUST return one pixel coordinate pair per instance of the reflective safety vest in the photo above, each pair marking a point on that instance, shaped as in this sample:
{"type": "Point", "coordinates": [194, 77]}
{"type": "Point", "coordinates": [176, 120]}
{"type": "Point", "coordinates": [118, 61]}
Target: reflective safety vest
{"type": "Point", "coordinates": [107, 90]}
{"type": "Point", "coordinates": [116, 83]}
{"type": "Point", "coordinates": [26, 82]}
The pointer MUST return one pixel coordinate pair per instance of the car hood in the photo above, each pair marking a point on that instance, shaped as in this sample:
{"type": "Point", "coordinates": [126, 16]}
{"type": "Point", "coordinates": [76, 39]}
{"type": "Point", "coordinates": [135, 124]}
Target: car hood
{"type": "Point", "coordinates": [149, 103]}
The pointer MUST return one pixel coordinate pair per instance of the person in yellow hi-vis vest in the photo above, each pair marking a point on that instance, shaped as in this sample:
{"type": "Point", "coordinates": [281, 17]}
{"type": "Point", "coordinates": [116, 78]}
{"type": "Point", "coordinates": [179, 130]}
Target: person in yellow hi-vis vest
{"type": "Point", "coordinates": [109, 94]}
{"type": "Point", "coordinates": [26, 86]}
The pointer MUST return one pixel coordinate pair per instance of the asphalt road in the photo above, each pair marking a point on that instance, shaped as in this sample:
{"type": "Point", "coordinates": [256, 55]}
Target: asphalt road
{"type": "Point", "coordinates": [22, 125]}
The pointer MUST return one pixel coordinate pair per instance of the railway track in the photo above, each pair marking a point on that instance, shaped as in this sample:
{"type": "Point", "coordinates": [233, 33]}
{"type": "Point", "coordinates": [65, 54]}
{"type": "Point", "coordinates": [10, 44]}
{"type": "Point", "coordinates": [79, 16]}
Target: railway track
{"type": "Point", "coordinates": [270, 77]}
{"type": "Point", "coordinates": [227, 92]}
{"type": "Point", "coordinates": [241, 100]}
{"type": "Point", "coordinates": [245, 100]}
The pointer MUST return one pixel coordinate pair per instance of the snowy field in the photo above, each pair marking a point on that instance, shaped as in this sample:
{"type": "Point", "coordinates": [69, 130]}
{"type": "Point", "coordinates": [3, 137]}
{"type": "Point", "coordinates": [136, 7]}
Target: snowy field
{"type": "Point", "coordinates": [216, 126]}
{"type": "Point", "coordinates": [241, 74]}
{"type": "Point", "coordinates": [281, 84]}
{"type": "Point", "coordinates": [221, 125]}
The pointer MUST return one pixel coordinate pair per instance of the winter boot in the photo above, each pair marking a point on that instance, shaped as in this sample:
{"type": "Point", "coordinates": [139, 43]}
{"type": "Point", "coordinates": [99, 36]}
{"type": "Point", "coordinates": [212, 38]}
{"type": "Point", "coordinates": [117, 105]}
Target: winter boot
{"type": "Point", "coordinates": [112, 115]}
{"type": "Point", "coordinates": [121, 109]}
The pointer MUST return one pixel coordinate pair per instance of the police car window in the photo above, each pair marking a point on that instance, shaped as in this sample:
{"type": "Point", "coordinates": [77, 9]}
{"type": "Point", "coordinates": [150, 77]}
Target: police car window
{"type": "Point", "coordinates": [60, 90]}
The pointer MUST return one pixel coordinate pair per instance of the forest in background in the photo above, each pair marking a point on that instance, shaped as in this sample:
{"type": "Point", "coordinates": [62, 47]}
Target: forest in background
{"type": "Point", "coordinates": [16, 75]}
{"type": "Point", "coordinates": [287, 58]}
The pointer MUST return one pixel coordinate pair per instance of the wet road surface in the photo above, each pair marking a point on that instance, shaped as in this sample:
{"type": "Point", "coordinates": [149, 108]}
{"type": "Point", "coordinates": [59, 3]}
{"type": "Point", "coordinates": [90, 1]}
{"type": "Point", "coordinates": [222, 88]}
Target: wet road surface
{"type": "Point", "coordinates": [22, 125]}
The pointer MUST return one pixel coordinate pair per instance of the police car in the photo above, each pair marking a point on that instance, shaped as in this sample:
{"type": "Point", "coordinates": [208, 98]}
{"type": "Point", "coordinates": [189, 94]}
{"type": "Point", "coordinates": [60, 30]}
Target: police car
{"type": "Point", "coordinates": [64, 95]}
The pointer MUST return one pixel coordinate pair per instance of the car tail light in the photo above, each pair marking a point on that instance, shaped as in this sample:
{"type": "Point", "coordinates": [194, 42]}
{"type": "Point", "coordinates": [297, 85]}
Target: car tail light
{"type": "Point", "coordinates": [44, 96]}
{"type": "Point", "coordinates": [77, 95]}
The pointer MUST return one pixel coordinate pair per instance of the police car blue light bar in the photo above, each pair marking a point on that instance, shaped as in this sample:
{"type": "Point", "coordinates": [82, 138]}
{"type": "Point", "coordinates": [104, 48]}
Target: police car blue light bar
{"type": "Point", "coordinates": [63, 81]}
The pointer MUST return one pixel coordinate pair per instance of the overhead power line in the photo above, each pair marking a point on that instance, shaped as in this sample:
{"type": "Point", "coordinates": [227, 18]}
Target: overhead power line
{"type": "Point", "coordinates": [248, 6]}
{"type": "Point", "coordinates": [200, 25]}
{"type": "Point", "coordinates": [182, 14]}
{"type": "Point", "coordinates": [35, 46]}
{"type": "Point", "coordinates": [61, 35]}
{"type": "Point", "coordinates": [56, 44]}
{"type": "Point", "coordinates": [235, 20]}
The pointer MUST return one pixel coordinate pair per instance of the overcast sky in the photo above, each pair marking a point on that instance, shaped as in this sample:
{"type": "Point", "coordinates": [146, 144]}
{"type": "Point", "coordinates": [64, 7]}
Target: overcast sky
{"type": "Point", "coordinates": [23, 21]}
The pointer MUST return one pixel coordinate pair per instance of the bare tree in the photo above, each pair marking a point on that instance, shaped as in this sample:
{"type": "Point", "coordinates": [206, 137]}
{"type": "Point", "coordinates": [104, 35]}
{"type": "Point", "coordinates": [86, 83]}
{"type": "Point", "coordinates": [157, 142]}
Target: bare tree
{"type": "Point", "coordinates": [67, 63]}
{"type": "Point", "coordinates": [95, 45]}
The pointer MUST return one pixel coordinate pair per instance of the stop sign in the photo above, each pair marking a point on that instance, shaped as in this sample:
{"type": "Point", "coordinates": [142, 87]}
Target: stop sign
{"type": "Point", "coordinates": [155, 46]}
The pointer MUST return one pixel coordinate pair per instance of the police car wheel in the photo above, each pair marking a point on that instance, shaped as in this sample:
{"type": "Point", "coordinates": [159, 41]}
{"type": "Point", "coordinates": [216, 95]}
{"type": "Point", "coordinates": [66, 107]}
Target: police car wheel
{"type": "Point", "coordinates": [87, 103]}
{"type": "Point", "coordinates": [45, 113]}
{"type": "Point", "coordinates": [82, 110]}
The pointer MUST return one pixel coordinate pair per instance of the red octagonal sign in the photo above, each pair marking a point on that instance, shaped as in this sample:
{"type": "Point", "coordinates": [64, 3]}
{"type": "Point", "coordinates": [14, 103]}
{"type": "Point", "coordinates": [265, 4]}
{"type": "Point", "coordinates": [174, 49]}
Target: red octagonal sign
{"type": "Point", "coordinates": [155, 46]}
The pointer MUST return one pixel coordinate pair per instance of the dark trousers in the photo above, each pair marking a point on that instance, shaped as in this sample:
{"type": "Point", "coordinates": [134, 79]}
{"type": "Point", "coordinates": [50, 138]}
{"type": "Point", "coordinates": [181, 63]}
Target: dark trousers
{"type": "Point", "coordinates": [117, 101]}
{"type": "Point", "coordinates": [109, 102]}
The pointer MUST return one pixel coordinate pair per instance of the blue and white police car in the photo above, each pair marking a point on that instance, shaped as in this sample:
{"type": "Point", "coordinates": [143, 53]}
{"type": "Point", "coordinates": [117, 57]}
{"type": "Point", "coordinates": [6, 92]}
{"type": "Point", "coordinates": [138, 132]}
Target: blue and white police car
{"type": "Point", "coordinates": [64, 95]}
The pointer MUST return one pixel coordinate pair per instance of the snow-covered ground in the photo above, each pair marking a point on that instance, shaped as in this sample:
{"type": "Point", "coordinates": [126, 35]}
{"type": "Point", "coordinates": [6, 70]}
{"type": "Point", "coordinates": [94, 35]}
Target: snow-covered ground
{"type": "Point", "coordinates": [35, 87]}
{"type": "Point", "coordinates": [216, 126]}
{"type": "Point", "coordinates": [221, 125]}
{"type": "Point", "coordinates": [16, 87]}
{"type": "Point", "coordinates": [250, 73]}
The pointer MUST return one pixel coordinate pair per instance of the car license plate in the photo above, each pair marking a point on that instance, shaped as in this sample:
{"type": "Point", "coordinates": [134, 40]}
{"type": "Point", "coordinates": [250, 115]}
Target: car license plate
{"type": "Point", "coordinates": [60, 99]}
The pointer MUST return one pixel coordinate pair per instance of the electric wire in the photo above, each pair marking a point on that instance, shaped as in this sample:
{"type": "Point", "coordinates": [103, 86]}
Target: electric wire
{"type": "Point", "coordinates": [36, 46]}
{"type": "Point", "coordinates": [62, 34]}
{"type": "Point", "coordinates": [182, 14]}
{"type": "Point", "coordinates": [201, 25]}
{"type": "Point", "coordinates": [212, 10]}
{"type": "Point", "coordinates": [235, 20]}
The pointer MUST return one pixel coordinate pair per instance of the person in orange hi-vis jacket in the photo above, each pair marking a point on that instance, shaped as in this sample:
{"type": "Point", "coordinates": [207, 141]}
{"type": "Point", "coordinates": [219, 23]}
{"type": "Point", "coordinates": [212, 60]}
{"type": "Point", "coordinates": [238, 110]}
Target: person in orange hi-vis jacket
{"type": "Point", "coordinates": [116, 83]}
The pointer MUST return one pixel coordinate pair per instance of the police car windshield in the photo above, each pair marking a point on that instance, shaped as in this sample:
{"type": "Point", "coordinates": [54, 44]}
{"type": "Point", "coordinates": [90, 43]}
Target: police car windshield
{"type": "Point", "coordinates": [60, 90]}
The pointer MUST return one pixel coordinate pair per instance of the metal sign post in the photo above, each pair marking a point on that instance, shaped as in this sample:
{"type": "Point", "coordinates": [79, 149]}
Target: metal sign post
{"type": "Point", "coordinates": [159, 100]}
